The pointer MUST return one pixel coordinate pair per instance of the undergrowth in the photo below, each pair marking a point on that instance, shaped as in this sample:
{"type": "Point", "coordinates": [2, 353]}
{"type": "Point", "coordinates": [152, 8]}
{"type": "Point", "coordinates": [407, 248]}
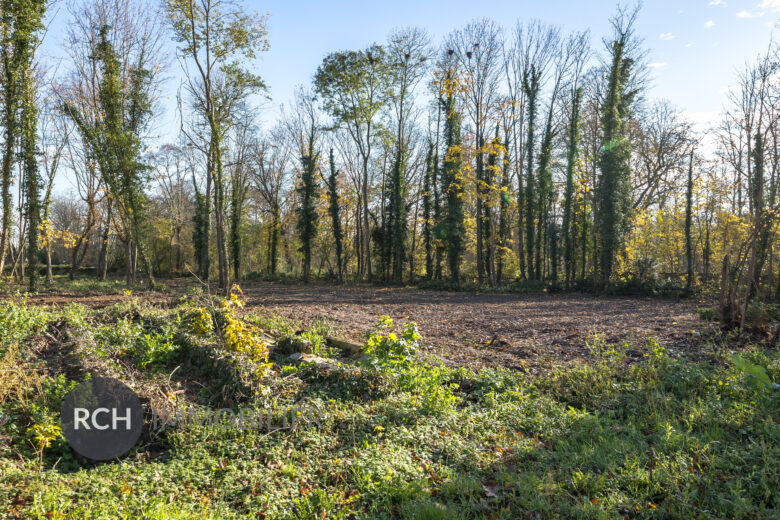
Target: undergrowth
{"type": "Point", "coordinates": [401, 436]}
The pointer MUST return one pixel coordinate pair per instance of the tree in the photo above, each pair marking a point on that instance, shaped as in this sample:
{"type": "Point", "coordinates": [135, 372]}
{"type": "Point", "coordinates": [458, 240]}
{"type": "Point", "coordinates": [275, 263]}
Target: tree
{"type": "Point", "coordinates": [242, 137]}
{"type": "Point", "coordinates": [116, 144]}
{"type": "Point", "coordinates": [335, 214]}
{"type": "Point", "coordinates": [270, 176]}
{"type": "Point", "coordinates": [20, 23]}
{"type": "Point", "coordinates": [307, 211]}
{"type": "Point", "coordinates": [407, 52]}
{"type": "Point", "coordinates": [504, 204]}
{"type": "Point", "coordinates": [477, 53]}
{"type": "Point", "coordinates": [568, 197]}
{"type": "Point", "coordinates": [122, 39]}
{"type": "Point", "coordinates": [452, 179]}
{"type": "Point", "coordinates": [303, 128]}
{"type": "Point", "coordinates": [216, 35]}
{"type": "Point", "coordinates": [614, 186]}
{"type": "Point", "coordinates": [353, 86]}
{"type": "Point", "coordinates": [537, 47]}
{"type": "Point", "coordinates": [689, 224]}
{"type": "Point", "coordinates": [428, 224]}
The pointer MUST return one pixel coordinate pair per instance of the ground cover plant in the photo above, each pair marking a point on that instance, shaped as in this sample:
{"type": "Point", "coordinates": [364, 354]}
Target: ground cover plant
{"type": "Point", "coordinates": [402, 436]}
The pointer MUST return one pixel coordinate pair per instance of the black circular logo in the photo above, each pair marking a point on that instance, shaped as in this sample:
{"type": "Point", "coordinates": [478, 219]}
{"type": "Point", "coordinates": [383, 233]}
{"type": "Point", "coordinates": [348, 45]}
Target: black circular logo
{"type": "Point", "coordinates": [102, 418]}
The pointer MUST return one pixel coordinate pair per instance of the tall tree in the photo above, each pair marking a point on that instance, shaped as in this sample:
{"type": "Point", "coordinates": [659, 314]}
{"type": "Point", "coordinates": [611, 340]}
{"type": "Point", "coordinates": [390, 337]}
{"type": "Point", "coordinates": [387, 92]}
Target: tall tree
{"type": "Point", "coordinates": [613, 190]}
{"type": "Point", "coordinates": [353, 86]}
{"type": "Point", "coordinates": [452, 179]}
{"type": "Point", "coordinates": [568, 196]}
{"type": "Point", "coordinates": [115, 141]}
{"type": "Point", "coordinates": [407, 52]}
{"type": "Point", "coordinates": [217, 36]}
{"type": "Point", "coordinates": [477, 50]}
{"type": "Point", "coordinates": [537, 44]}
{"type": "Point", "coordinates": [20, 24]}
{"type": "Point", "coordinates": [304, 129]}
{"type": "Point", "coordinates": [307, 210]}
{"type": "Point", "coordinates": [334, 209]}
{"type": "Point", "coordinates": [28, 23]}
{"type": "Point", "coordinates": [270, 176]}
{"type": "Point", "coordinates": [689, 224]}
{"type": "Point", "coordinates": [242, 137]}
{"type": "Point", "coordinates": [428, 223]}
{"type": "Point", "coordinates": [504, 205]}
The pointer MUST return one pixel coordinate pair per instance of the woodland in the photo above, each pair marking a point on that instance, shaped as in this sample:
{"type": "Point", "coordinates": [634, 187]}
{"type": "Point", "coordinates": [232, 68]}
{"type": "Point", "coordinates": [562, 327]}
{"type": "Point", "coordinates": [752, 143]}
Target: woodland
{"type": "Point", "coordinates": [513, 281]}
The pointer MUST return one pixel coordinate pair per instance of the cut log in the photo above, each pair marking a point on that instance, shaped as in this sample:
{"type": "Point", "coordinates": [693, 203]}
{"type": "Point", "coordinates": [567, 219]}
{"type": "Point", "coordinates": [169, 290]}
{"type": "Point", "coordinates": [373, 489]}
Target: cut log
{"type": "Point", "coordinates": [321, 363]}
{"type": "Point", "coordinates": [346, 346]}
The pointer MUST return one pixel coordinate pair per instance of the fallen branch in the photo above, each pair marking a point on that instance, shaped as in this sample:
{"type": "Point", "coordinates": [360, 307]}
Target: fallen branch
{"type": "Point", "coordinates": [346, 346]}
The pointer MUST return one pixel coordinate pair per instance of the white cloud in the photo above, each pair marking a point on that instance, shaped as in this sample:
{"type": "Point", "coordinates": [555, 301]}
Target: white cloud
{"type": "Point", "coordinates": [718, 2]}
{"type": "Point", "coordinates": [747, 14]}
{"type": "Point", "coordinates": [774, 5]}
{"type": "Point", "coordinates": [657, 65]}
{"type": "Point", "coordinates": [688, 45]}
{"type": "Point", "coordinates": [709, 24]}
{"type": "Point", "coordinates": [667, 36]}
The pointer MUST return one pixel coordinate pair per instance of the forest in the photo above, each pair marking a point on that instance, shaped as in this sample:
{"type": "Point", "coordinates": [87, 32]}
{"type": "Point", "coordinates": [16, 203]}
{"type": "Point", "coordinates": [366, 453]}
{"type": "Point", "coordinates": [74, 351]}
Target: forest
{"type": "Point", "coordinates": [523, 156]}
{"type": "Point", "coordinates": [512, 280]}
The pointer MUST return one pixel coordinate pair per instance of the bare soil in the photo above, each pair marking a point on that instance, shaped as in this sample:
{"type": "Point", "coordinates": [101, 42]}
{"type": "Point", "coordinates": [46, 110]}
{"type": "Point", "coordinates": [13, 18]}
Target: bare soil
{"type": "Point", "coordinates": [520, 331]}
{"type": "Point", "coordinates": [528, 332]}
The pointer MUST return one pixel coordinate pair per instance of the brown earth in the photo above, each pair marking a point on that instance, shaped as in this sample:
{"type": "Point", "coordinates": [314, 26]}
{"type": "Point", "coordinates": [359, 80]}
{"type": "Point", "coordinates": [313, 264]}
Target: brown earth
{"type": "Point", "coordinates": [521, 331]}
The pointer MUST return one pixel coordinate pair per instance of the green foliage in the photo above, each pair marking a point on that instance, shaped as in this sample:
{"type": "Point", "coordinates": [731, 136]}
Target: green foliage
{"type": "Point", "coordinates": [115, 139]}
{"type": "Point", "coordinates": [613, 190]}
{"type": "Point", "coordinates": [452, 183]}
{"type": "Point", "coordinates": [334, 211]}
{"type": "Point", "coordinates": [397, 357]}
{"type": "Point", "coordinates": [662, 436]}
{"type": "Point", "coordinates": [390, 352]}
{"type": "Point", "coordinates": [200, 232]}
{"type": "Point", "coordinates": [708, 313]}
{"type": "Point", "coordinates": [18, 320]}
{"type": "Point", "coordinates": [353, 84]}
{"type": "Point", "coordinates": [307, 209]}
{"type": "Point", "coordinates": [157, 348]}
{"type": "Point", "coordinates": [755, 375]}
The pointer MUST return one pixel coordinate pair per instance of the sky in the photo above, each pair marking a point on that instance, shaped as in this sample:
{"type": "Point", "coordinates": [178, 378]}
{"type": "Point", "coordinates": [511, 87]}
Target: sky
{"type": "Point", "coordinates": [695, 47]}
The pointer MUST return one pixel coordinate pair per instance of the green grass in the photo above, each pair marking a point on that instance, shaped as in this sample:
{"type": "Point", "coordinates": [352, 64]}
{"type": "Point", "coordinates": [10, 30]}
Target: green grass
{"type": "Point", "coordinates": [401, 437]}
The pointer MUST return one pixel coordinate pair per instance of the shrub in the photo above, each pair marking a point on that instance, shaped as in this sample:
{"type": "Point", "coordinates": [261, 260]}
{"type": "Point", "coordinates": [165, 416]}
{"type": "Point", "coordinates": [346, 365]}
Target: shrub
{"type": "Point", "coordinates": [242, 337]}
{"type": "Point", "coordinates": [396, 356]}
{"type": "Point", "coordinates": [157, 348]}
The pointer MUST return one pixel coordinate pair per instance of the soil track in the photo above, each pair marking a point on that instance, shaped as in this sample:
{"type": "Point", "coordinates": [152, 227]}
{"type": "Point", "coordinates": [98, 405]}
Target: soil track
{"type": "Point", "coordinates": [511, 330]}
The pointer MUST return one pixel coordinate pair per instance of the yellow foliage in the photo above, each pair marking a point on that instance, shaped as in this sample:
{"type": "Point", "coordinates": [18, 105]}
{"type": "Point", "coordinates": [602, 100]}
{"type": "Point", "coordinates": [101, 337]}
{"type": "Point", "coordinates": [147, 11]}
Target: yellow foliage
{"type": "Point", "coordinates": [45, 434]}
{"type": "Point", "coordinates": [241, 337]}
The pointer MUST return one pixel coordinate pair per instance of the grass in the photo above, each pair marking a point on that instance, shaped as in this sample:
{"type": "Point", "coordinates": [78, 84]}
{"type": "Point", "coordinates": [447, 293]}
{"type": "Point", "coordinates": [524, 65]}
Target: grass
{"type": "Point", "coordinates": [401, 437]}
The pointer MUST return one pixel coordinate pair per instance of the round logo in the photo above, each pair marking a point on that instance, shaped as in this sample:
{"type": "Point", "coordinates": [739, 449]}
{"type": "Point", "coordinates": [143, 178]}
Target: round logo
{"type": "Point", "coordinates": [102, 418]}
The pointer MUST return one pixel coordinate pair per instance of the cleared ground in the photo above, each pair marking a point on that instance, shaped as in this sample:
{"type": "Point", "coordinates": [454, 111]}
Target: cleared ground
{"type": "Point", "coordinates": [519, 331]}
{"type": "Point", "coordinates": [510, 330]}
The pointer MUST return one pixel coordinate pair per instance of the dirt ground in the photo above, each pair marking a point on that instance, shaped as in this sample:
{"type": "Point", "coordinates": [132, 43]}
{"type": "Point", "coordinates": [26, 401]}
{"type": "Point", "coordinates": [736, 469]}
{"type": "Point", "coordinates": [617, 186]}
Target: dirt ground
{"type": "Point", "coordinates": [515, 331]}
{"type": "Point", "coordinates": [519, 331]}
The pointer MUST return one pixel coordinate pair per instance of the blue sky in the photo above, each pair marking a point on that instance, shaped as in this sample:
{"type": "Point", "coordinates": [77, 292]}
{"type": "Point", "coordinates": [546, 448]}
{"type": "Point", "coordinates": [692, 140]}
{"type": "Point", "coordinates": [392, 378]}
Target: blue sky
{"type": "Point", "coordinates": [695, 46]}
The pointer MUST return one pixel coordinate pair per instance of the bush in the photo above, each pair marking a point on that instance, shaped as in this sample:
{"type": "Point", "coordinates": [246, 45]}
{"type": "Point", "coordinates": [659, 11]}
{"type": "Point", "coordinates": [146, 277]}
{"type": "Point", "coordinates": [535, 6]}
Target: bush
{"type": "Point", "coordinates": [157, 348]}
{"type": "Point", "coordinates": [396, 357]}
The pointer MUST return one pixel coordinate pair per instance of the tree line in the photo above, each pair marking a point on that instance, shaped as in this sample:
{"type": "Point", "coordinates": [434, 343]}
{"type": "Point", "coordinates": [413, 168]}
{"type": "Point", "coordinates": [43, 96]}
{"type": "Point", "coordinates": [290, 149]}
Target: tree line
{"type": "Point", "coordinates": [499, 155]}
